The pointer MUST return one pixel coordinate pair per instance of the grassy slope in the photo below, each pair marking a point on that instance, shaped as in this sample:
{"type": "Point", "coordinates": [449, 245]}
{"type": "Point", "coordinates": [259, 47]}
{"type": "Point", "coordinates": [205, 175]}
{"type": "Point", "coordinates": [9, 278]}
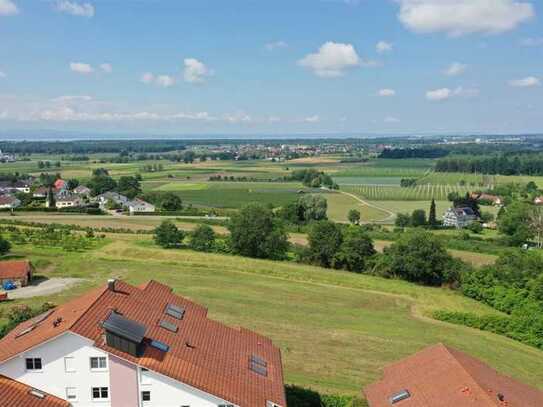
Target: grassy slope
{"type": "Point", "coordinates": [336, 330]}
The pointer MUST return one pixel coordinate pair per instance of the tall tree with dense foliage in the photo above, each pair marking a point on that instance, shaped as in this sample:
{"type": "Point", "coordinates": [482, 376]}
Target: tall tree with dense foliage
{"type": "Point", "coordinates": [514, 223]}
{"type": "Point", "coordinates": [313, 207]}
{"type": "Point", "coordinates": [420, 258]}
{"type": "Point", "coordinates": [168, 235]}
{"type": "Point", "coordinates": [403, 220]}
{"type": "Point", "coordinates": [129, 186]}
{"type": "Point", "coordinates": [354, 216]}
{"type": "Point", "coordinates": [355, 250]}
{"type": "Point", "coordinates": [202, 239]}
{"type": "Point", "coordinates": [255, 232]}
{"type": "Point", "coordinates": [5, 246]}
{"type": "Point", "coordinates": [101, 182]}
{"type": "Point", "coordinates": [432, 216]}
{"type": "Point", "coordinates": [325, 239]}
{"type": "Point", "coordinates": [418, 218]}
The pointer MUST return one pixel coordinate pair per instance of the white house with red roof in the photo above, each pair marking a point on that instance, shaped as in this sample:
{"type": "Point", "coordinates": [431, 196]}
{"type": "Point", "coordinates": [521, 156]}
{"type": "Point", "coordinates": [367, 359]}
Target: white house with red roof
{"type": "Point", "coordinates": [126, 346]}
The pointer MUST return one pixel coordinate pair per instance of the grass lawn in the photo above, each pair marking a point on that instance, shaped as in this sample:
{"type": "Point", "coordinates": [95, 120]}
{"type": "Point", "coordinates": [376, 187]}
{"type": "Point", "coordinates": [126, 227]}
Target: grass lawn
{"type": "Point", "coordinates": [336, 330]}
{"type": "Point", "coordinates": [339, 206]}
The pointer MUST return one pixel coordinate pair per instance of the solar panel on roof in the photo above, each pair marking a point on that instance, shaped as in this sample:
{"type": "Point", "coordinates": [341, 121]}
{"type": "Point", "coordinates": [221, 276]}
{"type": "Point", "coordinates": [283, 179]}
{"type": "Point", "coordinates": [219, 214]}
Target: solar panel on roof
{"type": "Point", "coordinates": [168, 325]}
{"type": "Point", "coordinates": [261, 370]}
{"type": "Point", "coordinates": [124, 327]}
{"type": "Point", "coordinates": [175, 311]}
{"type": "Point", "coordinates": [258, 360]}
{"type": "Point", "coordinates": [160, 346]}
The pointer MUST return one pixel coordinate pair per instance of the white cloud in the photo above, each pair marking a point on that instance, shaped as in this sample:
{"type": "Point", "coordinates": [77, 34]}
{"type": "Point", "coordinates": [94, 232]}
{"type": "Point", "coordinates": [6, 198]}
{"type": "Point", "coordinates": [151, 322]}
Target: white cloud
{"type": "Point", "coordinates": [271, 46]}
{"type": "Point", "coordinates": [438, 94]}
{"type": "Point", "coordinates": [81, 68]}
{"type": "Point", "coordinates": [165, 81]}
{"type": "Point", "coordinates": [75, 9]}
{"type": "Point", "coordinates": [386, 92]}
{"type": "Point", "coordinates": [107, 68]}
{"type": "Point", "coordinates": [312, 119]}
{"type": "Point", "coordinates": [442, 94]}
{"type": "Point", "coordinates": [195, 71]}
{"type": "Point", "coordinates": [147, 78]}
{"type": "Point", "coordinates": [461, 17]}
{"type": "Point", "coordinates": [383, 47]}
{"type": "Point", "coordinates": [8, 8]}
{"type": "Point", "coordinates": [331, 60]}
{"type": "Point", "coordinates": [391, 119]}
{"type": "Point", "coordinates": [455, 69]}
{"type": "Point", "coordinates": [528, 82]}
{"type": "Point", "coordinates": [532, 42]}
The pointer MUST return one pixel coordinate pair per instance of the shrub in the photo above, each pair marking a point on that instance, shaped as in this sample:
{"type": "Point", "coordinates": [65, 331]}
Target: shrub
{"type": "Point", "coordinates": [168, 235]}
{"type": "Point", "coordinates": [202, 239]}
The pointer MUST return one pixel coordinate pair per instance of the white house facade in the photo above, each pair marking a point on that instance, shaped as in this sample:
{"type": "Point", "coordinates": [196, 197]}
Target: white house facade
{"type": "Point", "coordinates": [125, 346]}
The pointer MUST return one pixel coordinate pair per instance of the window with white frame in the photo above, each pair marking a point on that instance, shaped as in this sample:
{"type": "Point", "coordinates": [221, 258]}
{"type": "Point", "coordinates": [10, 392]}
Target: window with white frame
{"type": "Point", "coordinates": [69, 364]}
{"type": "Point", "coordinates": [33, 364]}
{"type": "Point", "coordinates": [98, 363]}
{"type": "Point", "coordinates": [71, 393]}
{"type": "Point", "coordinates": [100, 393]}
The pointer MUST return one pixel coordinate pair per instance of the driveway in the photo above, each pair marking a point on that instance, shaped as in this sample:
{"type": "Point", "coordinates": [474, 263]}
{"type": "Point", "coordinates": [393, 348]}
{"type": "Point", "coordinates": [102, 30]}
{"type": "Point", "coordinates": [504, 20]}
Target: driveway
{"type": "Point", "coordinates": [42, 287]}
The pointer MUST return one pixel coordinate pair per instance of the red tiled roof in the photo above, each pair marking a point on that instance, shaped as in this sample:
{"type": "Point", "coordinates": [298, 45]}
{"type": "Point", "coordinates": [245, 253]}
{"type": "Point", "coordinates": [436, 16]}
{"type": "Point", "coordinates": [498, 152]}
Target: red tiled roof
{"type": "Point", "coordinates": [439, 376]}
{"type": "Point", "coordinates": [216, 362]}
{"type": "Point", "coordinates": [14, 269]}
{"type": "Point", "coordinates": [7, 199]}
{"type": "Point", "coordinates": [16, 394]}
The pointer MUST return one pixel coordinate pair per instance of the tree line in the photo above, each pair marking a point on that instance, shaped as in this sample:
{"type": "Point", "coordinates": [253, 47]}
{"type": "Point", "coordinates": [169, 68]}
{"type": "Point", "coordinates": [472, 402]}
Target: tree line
{"type": "Point", "coordinates": [517, 164]}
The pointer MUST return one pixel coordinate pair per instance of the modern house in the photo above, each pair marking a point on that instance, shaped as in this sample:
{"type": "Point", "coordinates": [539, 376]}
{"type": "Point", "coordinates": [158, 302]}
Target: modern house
{"type": "Point", "coordinates": [9, 202]}
{"type": "Point", "coordinates": [68, 201]}
{"type": "Point", "coordinates": [440, 376]}
{"type": "Point", "coordinates": [459, 217]}
{"type": "Point", "coordinates": [127, 346]}
{"type": "Point", "coordinates": [115, 197]}
{"type": "Point", "coordinates": [17, 271]}
{"type": "Point", "coordinates": [140, 206]}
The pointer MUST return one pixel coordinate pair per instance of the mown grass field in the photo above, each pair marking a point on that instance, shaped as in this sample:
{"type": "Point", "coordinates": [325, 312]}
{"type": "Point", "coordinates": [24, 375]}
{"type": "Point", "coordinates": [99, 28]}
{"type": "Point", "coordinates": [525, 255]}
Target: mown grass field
{"type": "Point", "coordinates": [336, 330]}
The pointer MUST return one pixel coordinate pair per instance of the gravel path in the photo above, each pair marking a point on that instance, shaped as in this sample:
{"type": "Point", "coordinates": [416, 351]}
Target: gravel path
{"type": "Point", "coordinates": [42, 287]}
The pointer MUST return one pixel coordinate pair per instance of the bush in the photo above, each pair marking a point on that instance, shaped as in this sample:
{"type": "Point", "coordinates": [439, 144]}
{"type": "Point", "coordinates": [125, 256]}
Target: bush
{"type": "Point", "coordinates": [202, 239]}
{"type": "Point", "coordinates": [167, 235]}
{"type": "Point", "coordinates": [254, 232]}
{"type": "Point", "coordinates": [355, 249]}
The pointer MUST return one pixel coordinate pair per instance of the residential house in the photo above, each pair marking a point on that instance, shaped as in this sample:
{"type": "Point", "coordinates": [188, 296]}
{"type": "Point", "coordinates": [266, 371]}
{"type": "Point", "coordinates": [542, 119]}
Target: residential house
{"type": "Point", "coordinates": [494, 199]}
{"type": "Point", "coordinates": [40, 192]}
{"type": "Point", "coordinates": [115, 197]}
{"type": "Point", "coordinates": [82, 190]}
{"type": "Point", "coordinates": [140, 206]}
{"type": "Point", "coordinates": [60, 184]}
{"type": "Point", "coordinates": [440, 376]}
{"type": "Point", "coordinates": [9, 202]}
{"type": "Point", "coordinates": [459, 217]}
{"type": "Point", "coordinates": [7, 158]}
{"type": "Point", "coordinates": [538, 200]}
{"type": "Point", "coordinates": [15, 186]}
{"type": "Point", "coordinates": [127, 346]}
{"type": "Point", "coordinates": [17, 271]}
{"type": "Point", "coordinates": [68, 201]}
{"type": "Point", "coordinates": [17, 394]}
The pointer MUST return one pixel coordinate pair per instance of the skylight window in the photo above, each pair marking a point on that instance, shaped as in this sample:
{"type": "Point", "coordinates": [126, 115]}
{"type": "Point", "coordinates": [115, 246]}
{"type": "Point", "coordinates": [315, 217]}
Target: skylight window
{"type": "Point", "coordinates": [175, 311]}
{"type": "Point", "coordinates": [258, 365]}
{"type": "Point", "coordinates": [396, 398]}
{"type": "Point", "coordinates": [168, 326]}
{"type": "Point", "coordinates": [160, 346]}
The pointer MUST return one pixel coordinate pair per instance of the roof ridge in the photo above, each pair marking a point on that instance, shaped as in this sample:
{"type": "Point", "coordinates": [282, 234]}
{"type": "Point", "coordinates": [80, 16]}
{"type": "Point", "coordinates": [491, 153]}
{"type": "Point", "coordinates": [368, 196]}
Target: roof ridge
{"type": "Point", "coordinates": [490, 399]}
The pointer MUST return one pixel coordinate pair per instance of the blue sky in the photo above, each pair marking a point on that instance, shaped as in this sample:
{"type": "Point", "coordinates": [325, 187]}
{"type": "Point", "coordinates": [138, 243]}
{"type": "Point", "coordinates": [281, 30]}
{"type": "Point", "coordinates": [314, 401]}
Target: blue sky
{"type": "Point", "coordinates": [271, 67]}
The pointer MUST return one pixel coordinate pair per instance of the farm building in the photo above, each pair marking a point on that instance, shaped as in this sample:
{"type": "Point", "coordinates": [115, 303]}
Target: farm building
{"type": "Point", "coordinates": [9, 202]}
{"type": "Point", "coordinates": [440, 376]}
{"type": "Point", "coordinates": [124, 345]}
{"type": "Point", "coordinates": [17, 271]}
{"type": "Point", "coordinates": [459, 217]}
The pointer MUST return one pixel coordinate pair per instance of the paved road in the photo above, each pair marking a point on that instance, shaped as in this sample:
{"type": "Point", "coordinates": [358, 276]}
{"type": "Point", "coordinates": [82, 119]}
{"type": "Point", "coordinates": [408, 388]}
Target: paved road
{"type": "Point", "coordinates": [44, 287]}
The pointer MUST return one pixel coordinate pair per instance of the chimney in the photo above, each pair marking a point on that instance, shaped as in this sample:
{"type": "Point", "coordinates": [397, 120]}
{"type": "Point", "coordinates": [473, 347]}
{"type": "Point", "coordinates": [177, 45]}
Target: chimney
{"type": "Point", "coordinates": [111, 284]}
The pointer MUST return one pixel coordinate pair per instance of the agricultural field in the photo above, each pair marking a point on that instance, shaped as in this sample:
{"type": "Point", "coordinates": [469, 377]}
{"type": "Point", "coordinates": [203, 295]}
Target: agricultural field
{"type": "Point", "coordinates": [417, 193]}
{"type": "Point", "coordinates": [309, 312]}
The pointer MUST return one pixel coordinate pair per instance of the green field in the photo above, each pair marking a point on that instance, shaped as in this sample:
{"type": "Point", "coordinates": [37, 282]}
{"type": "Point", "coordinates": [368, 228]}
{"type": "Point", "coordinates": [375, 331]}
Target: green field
{"type": "Point", "coordinates": [336, 330]}
{"type": "Point", "coordinates": [417, 193]}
